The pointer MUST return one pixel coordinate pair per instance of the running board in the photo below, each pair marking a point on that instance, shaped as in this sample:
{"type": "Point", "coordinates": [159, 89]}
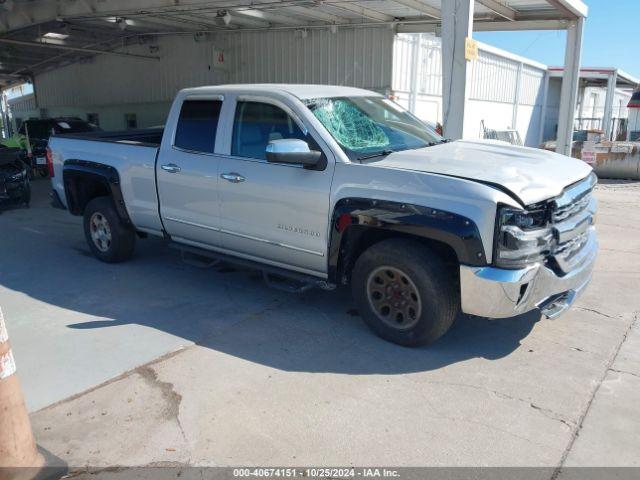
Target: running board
{"type": "Point", "coordinates": [274, 277]}
{"type": "Point", "coordinates": [198, 260]}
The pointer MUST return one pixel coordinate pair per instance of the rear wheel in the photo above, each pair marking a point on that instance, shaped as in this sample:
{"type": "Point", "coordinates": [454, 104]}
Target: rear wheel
{"type": "Point", "coordinates": [109, 238]}
{"type": "Point", "coordinates": [404, 292]}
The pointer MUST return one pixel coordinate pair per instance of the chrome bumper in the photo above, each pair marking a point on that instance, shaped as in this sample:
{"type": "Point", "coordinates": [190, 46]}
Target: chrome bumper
{"type": "Point", "coordinates": [499, 293]}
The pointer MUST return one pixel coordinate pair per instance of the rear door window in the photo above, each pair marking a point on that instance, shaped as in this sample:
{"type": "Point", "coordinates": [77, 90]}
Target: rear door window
{"type": "Point", "coordinates": [197, 125]}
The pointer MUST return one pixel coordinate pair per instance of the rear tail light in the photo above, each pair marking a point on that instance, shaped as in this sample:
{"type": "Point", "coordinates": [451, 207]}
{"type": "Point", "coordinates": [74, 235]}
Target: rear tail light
{"type": "Point", "coordinates": [50, 162]}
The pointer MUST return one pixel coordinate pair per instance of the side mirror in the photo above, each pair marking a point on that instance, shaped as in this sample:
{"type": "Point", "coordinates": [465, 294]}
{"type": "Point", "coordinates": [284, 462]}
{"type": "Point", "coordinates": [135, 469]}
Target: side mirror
{"type": "Point", "coordinates": [292, 151]}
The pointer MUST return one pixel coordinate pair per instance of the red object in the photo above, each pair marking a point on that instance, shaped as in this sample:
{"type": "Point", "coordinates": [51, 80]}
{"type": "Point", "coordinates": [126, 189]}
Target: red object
{"type": "Point", "coordinates": [344, 221]}
{"type": "Point", "coordinates": [50, 162]}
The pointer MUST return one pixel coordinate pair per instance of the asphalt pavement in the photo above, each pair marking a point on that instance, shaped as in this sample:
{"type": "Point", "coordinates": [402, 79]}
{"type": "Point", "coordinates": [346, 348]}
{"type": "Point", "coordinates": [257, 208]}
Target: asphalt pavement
{"type": "Point", "coordinates": [156, 361]}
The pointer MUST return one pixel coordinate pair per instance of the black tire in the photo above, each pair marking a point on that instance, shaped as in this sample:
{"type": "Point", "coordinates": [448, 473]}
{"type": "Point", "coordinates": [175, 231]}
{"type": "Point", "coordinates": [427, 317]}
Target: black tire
{"type": "Point", "coordinates": [424, 283]}
{"type": "Point", "coordinates": [116, 241]}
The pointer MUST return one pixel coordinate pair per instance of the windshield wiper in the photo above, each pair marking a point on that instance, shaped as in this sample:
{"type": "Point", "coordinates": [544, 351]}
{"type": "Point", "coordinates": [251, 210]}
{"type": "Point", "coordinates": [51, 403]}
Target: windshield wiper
{"type": "Point", "coordinates": [374, 155]}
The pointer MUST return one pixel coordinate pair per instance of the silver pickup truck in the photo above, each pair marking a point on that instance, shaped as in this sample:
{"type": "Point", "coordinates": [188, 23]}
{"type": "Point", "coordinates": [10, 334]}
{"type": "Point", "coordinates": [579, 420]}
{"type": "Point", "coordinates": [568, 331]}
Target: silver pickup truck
{"type": "Point", "coordinates": [326, 186]}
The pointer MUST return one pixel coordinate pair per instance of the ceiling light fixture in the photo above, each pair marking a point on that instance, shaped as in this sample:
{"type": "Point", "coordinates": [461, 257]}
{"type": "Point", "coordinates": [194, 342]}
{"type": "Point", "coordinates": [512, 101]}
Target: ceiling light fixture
{"type": "Point", "coordinates": [223, 18]}
{"type": "Point", "coordinates": [55, 35]}
{"type": "Point", "coordinates": [121, 23]}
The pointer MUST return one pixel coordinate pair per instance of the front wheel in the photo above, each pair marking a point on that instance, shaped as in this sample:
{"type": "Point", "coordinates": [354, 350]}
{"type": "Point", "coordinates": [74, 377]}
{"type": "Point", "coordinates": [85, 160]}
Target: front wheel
{"type": "Point", "coordinates": [109, 238]}
{"type": "Point", "coordinates": [404, 292]}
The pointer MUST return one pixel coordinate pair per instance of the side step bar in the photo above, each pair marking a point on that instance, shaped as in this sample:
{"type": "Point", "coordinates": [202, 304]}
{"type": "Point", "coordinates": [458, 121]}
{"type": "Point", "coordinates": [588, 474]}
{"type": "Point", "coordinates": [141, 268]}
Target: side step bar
{"type": "Point", "coordinates": [275, 277]}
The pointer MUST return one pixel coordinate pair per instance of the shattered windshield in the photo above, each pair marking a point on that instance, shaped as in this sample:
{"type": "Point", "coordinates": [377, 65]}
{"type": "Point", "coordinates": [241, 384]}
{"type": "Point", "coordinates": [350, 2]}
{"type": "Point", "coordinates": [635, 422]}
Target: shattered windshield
{"type": "Point", "coordinates": [366, 127]}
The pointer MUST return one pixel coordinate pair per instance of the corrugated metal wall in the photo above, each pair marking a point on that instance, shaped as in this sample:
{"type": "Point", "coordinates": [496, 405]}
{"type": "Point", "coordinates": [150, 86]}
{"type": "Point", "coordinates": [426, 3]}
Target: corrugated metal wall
{"type": "Point", "coordinates": [428, 62]}
{"type": "Point", "coordinates": [116, 80]}
{"type": "Point", "coordinates": [359, 57]}
{"type": "Point", "coordinates": [355, 56]}
{"type": "Point", "coordinates": [493, 78]}
{"type": "Point", "coordinates": [23, 105]}
{"type": "Point", "coordinates": [402, 56]}
{"type": "Point", "coordinates": [532, 86]}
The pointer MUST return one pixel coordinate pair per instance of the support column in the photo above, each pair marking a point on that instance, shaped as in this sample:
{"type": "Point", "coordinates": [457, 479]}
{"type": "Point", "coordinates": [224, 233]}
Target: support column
{"type": "Point", "coordinates": [543, 109]}
{"type": "Point", "coordinates": [415, 67]}
{"type": "Point", "coordinates": [457, 25]}
{"type": "Point", "coordinates": [581, 92]}
{"type": "Point", "coordinates": [608, 105]}
{"type": "Point", "coordinates": [516, 97]}
{"type": "Point", "coordinates": [570, 80]}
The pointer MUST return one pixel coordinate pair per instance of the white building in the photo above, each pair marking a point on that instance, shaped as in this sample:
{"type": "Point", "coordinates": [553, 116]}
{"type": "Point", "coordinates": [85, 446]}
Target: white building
{"type": "Point", "coordinates": [508, 91]}
{"type": "Point", "coordinates": [634, 117]}
{"type": "Point", "coordinates": [603, 96]}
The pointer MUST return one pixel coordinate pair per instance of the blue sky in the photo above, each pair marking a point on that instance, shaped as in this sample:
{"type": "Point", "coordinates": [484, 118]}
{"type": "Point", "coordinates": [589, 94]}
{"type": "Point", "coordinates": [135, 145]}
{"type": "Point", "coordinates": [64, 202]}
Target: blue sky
{"type": "Point", "coordinates": [610, 38]}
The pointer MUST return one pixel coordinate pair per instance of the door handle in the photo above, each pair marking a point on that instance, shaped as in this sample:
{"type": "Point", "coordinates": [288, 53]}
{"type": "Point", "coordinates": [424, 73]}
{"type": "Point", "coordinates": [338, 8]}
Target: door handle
{"type": "Point", "coordinates": [171, 168]}
{"type": "Point", "coordinates": [232, 177]}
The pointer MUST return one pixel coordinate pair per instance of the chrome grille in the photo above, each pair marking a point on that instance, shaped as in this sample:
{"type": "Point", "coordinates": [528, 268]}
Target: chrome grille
{"type": "Point", "coordinates": [566, 211]}
{"type": "Point", "coordinates": [570, 247]}
{"type": "Point", "coordinates": [572, 216]}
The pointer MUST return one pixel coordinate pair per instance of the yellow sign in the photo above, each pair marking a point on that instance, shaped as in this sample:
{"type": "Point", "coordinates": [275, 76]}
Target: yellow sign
{"type": "Point", "coordinates": [470, 49]}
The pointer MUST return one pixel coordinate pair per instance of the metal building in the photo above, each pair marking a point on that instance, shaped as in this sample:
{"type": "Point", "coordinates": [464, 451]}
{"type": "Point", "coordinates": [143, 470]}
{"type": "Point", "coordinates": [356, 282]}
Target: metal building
{"type": "Point", "coordinates": [603, 96]}
{"type": "Point", "coordinates": [138, 53]}
{"type": "Point", "coordinates": [507, 92]}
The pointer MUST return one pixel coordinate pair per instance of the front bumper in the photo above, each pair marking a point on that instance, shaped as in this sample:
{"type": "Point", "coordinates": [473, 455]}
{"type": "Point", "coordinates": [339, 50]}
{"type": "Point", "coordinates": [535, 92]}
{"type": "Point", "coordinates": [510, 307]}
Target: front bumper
{"type": "Point", "coordinates": [500, 293]}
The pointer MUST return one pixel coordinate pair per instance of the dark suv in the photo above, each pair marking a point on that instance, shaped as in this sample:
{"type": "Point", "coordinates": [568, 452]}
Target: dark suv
{"type": "Point", "coordinates": [40, 129]}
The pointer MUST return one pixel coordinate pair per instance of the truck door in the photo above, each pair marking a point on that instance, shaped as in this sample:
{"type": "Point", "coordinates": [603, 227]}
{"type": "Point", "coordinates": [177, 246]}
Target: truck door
{"type": "Point", "coordinates": [187, 173]}
{"type": "Point", "coordinates": [271, 212]}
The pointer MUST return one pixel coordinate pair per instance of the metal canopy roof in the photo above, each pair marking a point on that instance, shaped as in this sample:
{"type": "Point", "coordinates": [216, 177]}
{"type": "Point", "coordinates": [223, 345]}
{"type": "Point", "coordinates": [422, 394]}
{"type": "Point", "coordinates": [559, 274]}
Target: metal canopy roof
{"type": "Point", "coordinates": [39, 35]}
{"type": "Point", "coordinates": [597, 77]}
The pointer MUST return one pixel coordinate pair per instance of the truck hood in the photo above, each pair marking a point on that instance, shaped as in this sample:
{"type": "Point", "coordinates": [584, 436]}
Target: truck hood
{"type": "Point", "coordinates": [530, 174]}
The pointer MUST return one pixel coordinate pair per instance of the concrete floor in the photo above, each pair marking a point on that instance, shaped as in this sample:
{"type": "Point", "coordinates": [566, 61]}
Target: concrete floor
{"type": "Point", "coordinates": [156, 361]}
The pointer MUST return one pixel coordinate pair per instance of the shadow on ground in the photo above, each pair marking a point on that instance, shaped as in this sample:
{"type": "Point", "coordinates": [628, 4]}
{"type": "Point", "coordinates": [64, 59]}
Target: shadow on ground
{"type": "Point", "coordinates": [291, 335]}
{"type": "Point", "coordinates": [223, 309]}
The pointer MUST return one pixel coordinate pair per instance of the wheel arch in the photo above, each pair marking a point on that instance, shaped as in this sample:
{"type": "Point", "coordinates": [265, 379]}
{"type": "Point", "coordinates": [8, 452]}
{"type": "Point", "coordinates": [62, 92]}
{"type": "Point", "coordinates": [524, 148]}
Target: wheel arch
{"type": "Point", "coordinates": [358, 223]}
{"type": "Point", "coordinates": [85, 180]}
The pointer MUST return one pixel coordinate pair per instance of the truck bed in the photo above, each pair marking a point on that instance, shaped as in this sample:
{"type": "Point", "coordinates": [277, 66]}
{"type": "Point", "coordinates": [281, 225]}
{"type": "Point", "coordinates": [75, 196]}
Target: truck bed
{"type": "Point", "coordinates": [149, 137]}
{"type": "Point", "coordinates": [130, 151]}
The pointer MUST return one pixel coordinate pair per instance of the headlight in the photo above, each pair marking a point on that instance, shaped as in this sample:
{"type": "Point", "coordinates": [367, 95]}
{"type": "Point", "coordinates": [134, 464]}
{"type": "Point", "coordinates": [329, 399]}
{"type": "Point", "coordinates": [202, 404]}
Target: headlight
{"type": "Point", "coordinates": [17, 176]}
{"type": "Point", "coordinates": [523, 237]}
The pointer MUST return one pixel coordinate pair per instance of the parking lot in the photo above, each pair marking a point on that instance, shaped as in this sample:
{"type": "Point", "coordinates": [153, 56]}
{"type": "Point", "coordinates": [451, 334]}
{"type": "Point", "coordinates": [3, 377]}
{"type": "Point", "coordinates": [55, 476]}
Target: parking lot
{"type": "Point", "coordinates": [157, 360]}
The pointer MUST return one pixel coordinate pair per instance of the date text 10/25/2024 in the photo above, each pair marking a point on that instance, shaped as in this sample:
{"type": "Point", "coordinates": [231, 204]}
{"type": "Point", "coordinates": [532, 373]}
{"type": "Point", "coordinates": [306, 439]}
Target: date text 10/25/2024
{"type": "Point", "coordinates": [316, 472]}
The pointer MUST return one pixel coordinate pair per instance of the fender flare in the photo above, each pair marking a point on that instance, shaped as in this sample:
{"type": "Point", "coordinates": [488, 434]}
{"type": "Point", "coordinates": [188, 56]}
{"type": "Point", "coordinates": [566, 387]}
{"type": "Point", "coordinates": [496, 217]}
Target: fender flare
{"type": "Point", "coordinates": [75, 170]}
{"type": "Point", "coordinates": [461, 234]}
